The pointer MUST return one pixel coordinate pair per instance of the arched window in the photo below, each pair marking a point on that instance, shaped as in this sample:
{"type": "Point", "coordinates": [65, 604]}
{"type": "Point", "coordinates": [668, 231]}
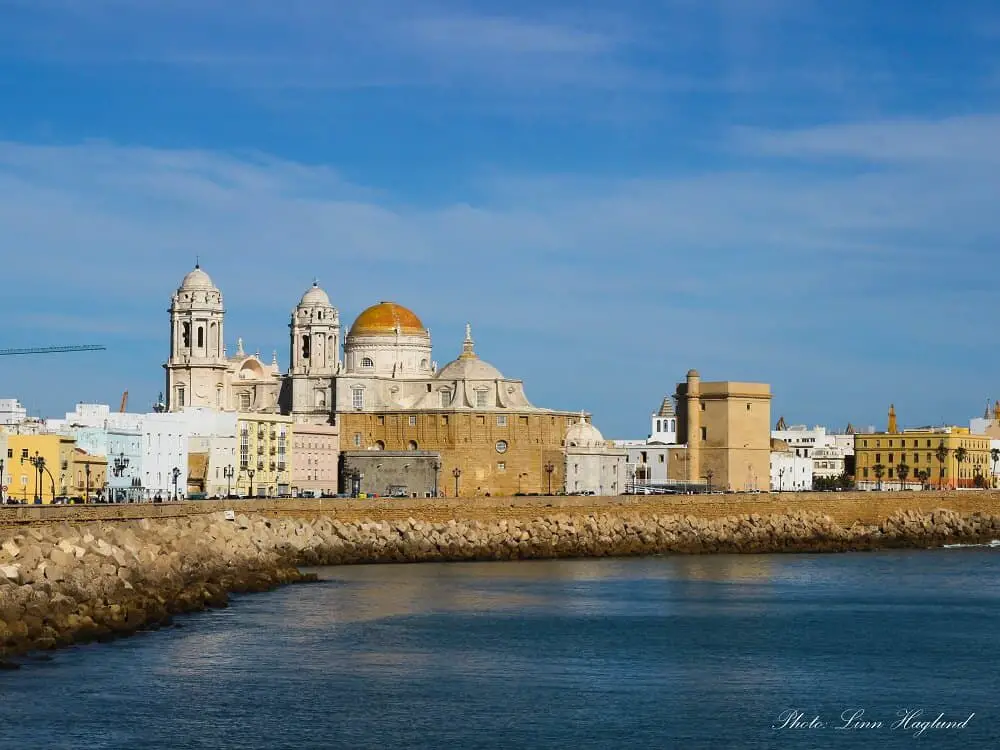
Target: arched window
{"type": "Point", "coordinates": [658, 427]}
{"type": "Point", "coordinates": [185, 334]}
{"type": "Point", "coordinates": [412, 445]}
{"type": "Point", "coordinates": [367, 362]}
{"type": "Point", "coordinates": [201, 336]}
{"type": "Point", "coordinates": [379, 445]}
{"type": "Point", "coordinates": [305, 347]}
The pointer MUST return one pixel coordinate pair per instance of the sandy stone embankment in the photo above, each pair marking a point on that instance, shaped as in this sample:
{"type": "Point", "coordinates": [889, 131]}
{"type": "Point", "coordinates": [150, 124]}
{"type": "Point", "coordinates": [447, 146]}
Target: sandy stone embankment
{"type": "Point", "coordinates": [67, 583]}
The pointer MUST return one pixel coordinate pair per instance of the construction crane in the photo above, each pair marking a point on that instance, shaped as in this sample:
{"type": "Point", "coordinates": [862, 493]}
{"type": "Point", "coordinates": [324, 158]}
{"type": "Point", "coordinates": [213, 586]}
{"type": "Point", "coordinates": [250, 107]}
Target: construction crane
{"type": "Point", "coordinates": [53, 349]}
{"type": "Point", "coordinates": [121, 409]}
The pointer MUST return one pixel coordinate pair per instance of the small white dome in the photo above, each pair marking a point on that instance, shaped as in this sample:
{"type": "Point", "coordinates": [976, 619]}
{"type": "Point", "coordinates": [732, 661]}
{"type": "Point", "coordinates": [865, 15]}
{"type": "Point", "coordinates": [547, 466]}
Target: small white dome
{"type": "Point", "coordinates": [197, 280]}
{"type": "Point", "coordinates": [314, 297]}
{"type": "Point", "coordinates": [582, 434]}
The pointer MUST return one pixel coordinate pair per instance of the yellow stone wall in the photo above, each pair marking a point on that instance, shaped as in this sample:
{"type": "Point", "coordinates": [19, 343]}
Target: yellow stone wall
{"type": "Point", "coordinates": [918, 450]}
{"type": "Point", "coordinates": [468, 441]}
{"type": "Point", "coordinates": [78, 474]}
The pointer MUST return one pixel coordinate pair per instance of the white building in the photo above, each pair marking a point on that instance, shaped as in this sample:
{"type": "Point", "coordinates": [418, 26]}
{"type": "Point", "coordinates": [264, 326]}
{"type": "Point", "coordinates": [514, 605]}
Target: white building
{"type": "Point", "coordinates": [829, 452]}
{"type": "Point", "coordinates": [789, 470]}
{"type": "Point", "coordinates": [593, 465]}
{"type": "Point", "coordinates": [647, 460]}
{"type": "Point", "coordinates": [11, 411]}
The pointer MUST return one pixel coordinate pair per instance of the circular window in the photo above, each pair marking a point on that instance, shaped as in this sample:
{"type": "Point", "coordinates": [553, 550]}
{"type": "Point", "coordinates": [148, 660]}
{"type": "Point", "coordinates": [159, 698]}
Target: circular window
{"type": "Point", "coordinates": [501, 446]}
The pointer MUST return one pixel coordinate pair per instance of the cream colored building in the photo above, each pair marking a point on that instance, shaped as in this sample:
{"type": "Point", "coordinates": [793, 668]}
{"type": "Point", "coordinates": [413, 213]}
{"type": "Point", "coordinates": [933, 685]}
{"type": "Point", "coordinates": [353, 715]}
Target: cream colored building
{"type": "Point", "coordinates": [726, 429]}
{"type": "Point", "coordinates": [263, 452]}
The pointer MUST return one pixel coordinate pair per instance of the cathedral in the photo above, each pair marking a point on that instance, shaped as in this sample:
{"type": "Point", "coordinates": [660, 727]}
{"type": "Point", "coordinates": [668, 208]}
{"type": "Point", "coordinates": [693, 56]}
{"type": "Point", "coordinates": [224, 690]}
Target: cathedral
{"type": "Point", "coordinates": [382, 390]}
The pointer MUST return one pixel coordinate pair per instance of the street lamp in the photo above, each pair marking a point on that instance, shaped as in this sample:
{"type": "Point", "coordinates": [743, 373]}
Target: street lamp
{"type": "Point", "coordinates": [119, 465]}
{"type": "Point", "coordinates": [38, 462]}
{"type": "Point", "coordinates": [228, 472]}
{"type": "Point", "coordinates": [708, 475]}
{"type": "Point", "coordinates": [781, 479]}
{"type": "Point", "coordinates": [456, 472]}
{"type": "Point", "coordinates": [176, 473]}
{"type": "Point", "coordinates": [437, 468]}
{"type": "Point", "coordinates": [250, 473]}
{"type": "Point", "coordinates": [549, 468]}
{"type": "Point", "coordinates": [86, 473]}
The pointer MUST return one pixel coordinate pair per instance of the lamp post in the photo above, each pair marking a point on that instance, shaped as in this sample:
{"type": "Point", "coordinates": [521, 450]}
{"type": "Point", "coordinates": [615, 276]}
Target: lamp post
{"type": "Point", "coordinates": [86, 473]}
{"type": "Point", "coordinates": [456, 472]}
{"type": "Point", "coordinates": [38, 462]}
{"type": "Point", "coordinates": [781, 479]}
{"type": "Point", "coordinates": [250, 473]}
{"type": "Point", "coordinates": [119, 465]}
{"type": "Point", "coordinates": [708, 475]}
{"type": "Point", "coordinates": [2, 483]}
{"type": "Point", "coordinates": [176, 474]}
{"type": "Point", "coordinates": [549, 468]}
{"type": "Point", "coordinates": [437, 468]}
{"type": "Point", "coordinates": [228, 472]}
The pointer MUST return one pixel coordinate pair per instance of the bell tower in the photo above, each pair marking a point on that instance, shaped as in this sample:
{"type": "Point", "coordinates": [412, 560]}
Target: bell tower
{"type": "Point", "coordinates": [196, 368]}
{"type": "Point", "coordinates": [314, 357]}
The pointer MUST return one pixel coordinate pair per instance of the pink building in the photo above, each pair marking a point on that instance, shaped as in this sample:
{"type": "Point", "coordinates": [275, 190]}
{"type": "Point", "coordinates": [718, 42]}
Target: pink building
{"type": "Point", "coordinates": [316, 449]}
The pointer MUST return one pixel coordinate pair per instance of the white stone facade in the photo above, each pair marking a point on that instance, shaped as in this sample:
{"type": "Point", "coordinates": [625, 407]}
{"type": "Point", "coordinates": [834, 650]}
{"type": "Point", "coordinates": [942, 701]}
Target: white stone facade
{"type": "Point", "coordinates": [828, 451]}
{"type": "Point", "coordinates": [594, 466]}
{"type": "Point", "coordinates": [790, 472]}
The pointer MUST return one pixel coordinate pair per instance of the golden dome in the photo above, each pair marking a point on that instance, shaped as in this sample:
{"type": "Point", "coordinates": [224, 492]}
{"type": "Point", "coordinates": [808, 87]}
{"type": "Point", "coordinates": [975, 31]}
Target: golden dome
{"type": "Point", "coordinates": [386, 318]}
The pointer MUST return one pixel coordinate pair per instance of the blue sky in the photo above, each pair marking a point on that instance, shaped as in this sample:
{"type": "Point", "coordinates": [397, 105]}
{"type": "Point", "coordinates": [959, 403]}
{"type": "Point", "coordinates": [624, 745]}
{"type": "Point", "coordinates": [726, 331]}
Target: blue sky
{"type": "Point", "coordinates": [791, 191]}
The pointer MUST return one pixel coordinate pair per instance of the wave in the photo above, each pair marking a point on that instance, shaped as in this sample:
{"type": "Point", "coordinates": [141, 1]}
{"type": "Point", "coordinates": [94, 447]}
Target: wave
{"type": "Point", "coordinates": [991, 543]}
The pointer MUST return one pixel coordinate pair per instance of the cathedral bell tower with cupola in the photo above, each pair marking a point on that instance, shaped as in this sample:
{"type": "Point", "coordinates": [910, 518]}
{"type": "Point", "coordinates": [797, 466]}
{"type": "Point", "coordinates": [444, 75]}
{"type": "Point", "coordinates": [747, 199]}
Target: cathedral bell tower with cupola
{"type": "Point", "coordinates": [196, 369]}
{"type": "Point", "coordinates": [315, 357]}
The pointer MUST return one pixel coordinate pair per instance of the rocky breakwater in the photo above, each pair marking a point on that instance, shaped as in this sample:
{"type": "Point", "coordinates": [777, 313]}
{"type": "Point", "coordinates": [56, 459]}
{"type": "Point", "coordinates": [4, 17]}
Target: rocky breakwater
{"type": "Point", "coordinates": [64, 584]}
{"type": "Point", "coordinates": [68, 583]}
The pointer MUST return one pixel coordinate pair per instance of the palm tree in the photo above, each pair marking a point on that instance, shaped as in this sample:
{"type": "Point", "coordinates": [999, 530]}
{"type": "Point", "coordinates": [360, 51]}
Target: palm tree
{"type": "Point", "coordinates": [942, 455]}
{"type": "Point", "coordinates": [960, 455]}
{"type": "Point", "coordinates": [879, 470]}
{"type": "Point", "coordinates": [902, 471]}
{"type": "Point", "coordinates": [995, 457]}
{"type": "Point", "coordinates": [923, 475]}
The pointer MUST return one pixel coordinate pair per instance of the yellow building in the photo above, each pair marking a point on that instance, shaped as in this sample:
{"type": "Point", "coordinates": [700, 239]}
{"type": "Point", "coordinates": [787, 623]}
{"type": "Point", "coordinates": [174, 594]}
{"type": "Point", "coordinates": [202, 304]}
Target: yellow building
{"type": "Point", "coordinates": [53, 454]}
{"type": "Point", "coordinates": [264, 455]}
{"type": "Point", "coordinates": [89, 474]}
{"type": "Point", "coordinates": [726, 429]}
{"type": "Point", "coordinates": [911, 458]}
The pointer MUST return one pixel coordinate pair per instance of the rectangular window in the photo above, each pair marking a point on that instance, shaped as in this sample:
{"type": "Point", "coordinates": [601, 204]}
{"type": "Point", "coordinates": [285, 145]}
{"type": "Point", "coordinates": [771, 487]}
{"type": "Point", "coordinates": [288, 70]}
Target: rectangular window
{"type": "Point", "coordinates": [501, 466]}
{"type": "Point", "coordinates": [244, 446]}
{"type": "Point", "coordinates": [10, 453]}
{"type": "Point", "coordinates": [481, 399]}
{"type": "Point", "coordinates": [890, 472]}
{"type": "Point", "coordinates": [413, 421]}
{"type": "Point", "coordinates": [380, 419]}
{"type": "Point", "coordinates": [444, 420]}
{"type": "Point", "coordinates": [180, 397]}
{"type": "Point", "coordinates": [661, 457]}
{"type": "Point", "coordinates": [501, 420]}
{"type": "Point", "coordinates": [523, 421]}
{"type": "Point", "coordinates": [358, 398]}
{"type": "Point", "coordinates": [866, 472]}
{"type": "Point", "coordinates": [357, 439]}
{"type": "Point", "coordinates": [704, 433]}
{"type": "Point", "coordinates": [481, 420]}
{"type": "Point", "coordinates": [445, 398]}
{"type": "Point", "coordinates": [878, 458]}
{"type": "Point", "coordinates": [703, 406]}
{"type": "Point", "coordinates": [245, 401]}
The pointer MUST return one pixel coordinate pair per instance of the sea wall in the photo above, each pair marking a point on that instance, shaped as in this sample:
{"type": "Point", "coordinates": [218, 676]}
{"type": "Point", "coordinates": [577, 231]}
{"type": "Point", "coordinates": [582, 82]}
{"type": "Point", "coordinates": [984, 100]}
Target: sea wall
{"type": "Point", "coordinates": [64, 583]}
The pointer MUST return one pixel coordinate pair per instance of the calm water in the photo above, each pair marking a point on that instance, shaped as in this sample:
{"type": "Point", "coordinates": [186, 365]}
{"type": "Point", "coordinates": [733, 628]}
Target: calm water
{"type": "Point", "coordinates": [692, 652]}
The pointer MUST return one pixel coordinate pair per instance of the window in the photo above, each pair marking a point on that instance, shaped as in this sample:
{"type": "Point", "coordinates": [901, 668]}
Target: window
{"type": "Point", "coordinates": [748, 407]}
{"type": "Point", "coordinates": [357, 439]}
{"type": "Point", "coordinates": [412, 445]}
{"type": "Point", "coordinates": [380, 419]}
{"type": "Point", "coordinates": [703, 406]}
{"type": "Point", "coordinates": [244, 446]}
{"type": "Point", "coordinates": [367, 362]}
{"type": "Point", "coordinates": [481, 399]}
{"type": "Point", "coordinates": [180, 395]}
{"type": "Point", "coordinates": [501, 466]}
{"type": "Point", "coordinates": [445, 398]}
{"type": "Point", "coordinates": [704, 433]}
{"type": "Point", "coordinates": [186, 335]}
{"type": "Point", "coordinates": [10, 453]}
{"type": "Point", "coordinates": [413, 421]}
{"type": "Point", "coordinates": [201, 336]}
{"type": "Point", "coordinates": [306, 347]}
{"type": "Point", "coordinates": [501, 420]}
{"type": "Point", "coordinates": [661, 458]}
{"type": "Point", "coordinates": [245, 401]}
{"type": "Point", "coordinates": [379, 445]}
{"type": "Point", "coordinates": [358, 398]}
{"type": "Point", "coordinates": [501, 446]}
{"type": "Point", "coordinates": [878, 458]}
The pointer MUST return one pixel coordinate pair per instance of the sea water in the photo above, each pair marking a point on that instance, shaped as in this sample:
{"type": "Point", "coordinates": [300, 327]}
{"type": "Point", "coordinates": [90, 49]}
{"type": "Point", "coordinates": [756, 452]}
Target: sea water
{"type": "Point", "coordinates": [726, 651]}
